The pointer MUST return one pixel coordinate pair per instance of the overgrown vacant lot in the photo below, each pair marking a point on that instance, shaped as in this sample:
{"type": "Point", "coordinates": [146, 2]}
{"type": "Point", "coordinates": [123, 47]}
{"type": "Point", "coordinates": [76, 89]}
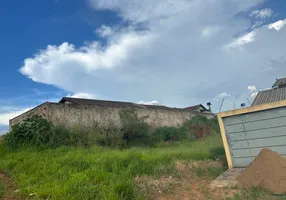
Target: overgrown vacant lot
{"type": "Point", "coordinates": [41, 161]}
{"type": "Point", "coordinates": [98, 173]}
{"type": "Point", "coordinates": [181, 171]}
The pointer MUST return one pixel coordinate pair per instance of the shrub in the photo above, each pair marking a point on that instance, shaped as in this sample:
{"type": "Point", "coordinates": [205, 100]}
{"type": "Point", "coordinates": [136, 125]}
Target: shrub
{"type": "Point", "coordinates": [110, 137]}
{"type": "Point", "coordinates": [34, 130]}
{"type": "Point", "coordinates": [39, 132]}
{"type": "Point", "coordinates": [134, 130]}
{"type": "Point", "coordinates": [165, 134]}
{"type": "Point", "coordinates": [200, 126]}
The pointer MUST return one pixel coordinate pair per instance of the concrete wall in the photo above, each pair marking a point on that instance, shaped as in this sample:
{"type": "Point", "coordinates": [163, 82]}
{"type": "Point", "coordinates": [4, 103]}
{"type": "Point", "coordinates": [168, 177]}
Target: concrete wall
{"type": "Point", "coordinates": [86, 116]}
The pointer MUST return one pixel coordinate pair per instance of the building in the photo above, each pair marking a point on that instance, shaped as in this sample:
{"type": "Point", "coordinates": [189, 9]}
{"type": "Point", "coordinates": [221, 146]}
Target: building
{"type": "Point", "coordinates": [246, 131]}
{"type": "Point", "coordinates": [198, 108]}
{"type": "Point", "coordinates": [277, 93]}
{"type": "Point", "coordinates": [72, 112]}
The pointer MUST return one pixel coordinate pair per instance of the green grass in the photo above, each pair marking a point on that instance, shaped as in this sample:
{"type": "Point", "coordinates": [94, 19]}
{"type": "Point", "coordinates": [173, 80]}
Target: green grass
{"type": "Point", "coordinates": [212, 172]}
{"type": "Point", "coordinates": [2, 190]}
{"type": "Point", "coordinates": [95, 172]}
{"type": "Point", "coordinates": [200, 172]}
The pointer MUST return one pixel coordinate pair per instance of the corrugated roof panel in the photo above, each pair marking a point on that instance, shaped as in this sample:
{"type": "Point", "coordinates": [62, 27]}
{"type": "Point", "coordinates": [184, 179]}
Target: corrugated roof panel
{"type": "Point", "coordinates": [269, 96]}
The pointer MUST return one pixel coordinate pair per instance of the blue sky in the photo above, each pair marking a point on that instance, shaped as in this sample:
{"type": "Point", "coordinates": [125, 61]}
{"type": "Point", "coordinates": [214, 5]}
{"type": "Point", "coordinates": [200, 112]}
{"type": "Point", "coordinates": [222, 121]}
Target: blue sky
{"type": "Point", "coordinates": [176, 53]}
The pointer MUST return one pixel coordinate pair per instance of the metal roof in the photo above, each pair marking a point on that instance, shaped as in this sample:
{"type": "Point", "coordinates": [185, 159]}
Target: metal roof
{"type": "Point", "coordinates": [268, 96]}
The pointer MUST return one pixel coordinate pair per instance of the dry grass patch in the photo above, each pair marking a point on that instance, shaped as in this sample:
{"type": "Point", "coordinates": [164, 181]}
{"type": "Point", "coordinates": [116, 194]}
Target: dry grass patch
{"type": "Point", "coordinates": [187, 185]}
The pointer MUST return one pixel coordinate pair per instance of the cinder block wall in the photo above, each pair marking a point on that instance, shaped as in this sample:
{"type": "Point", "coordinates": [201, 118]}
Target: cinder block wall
{"type": "Point", "coordinates": [72, 115]}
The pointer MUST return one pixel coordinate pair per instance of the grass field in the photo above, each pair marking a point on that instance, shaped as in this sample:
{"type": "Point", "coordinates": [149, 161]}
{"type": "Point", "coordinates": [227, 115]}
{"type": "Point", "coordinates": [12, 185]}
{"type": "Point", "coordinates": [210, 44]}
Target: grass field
{"type": "Point", "coordinates": [2, 189]}
{"type": "Point", "coordinates": [168, 171]}
{"type": "Point", "coordinates": [97, 173]}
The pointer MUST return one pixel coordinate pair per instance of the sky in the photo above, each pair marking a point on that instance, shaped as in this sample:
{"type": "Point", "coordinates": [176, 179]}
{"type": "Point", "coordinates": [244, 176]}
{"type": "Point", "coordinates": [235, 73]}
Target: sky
{"type": "Point", "coordinates": [175, 53]}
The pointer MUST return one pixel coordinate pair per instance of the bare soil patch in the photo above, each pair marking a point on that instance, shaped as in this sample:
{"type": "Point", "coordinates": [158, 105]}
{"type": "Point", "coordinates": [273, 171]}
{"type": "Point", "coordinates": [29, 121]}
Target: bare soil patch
{"type": "Point", "coordinates": [268, 171]}
{"type": "Point", "coordinates": [187, 185]}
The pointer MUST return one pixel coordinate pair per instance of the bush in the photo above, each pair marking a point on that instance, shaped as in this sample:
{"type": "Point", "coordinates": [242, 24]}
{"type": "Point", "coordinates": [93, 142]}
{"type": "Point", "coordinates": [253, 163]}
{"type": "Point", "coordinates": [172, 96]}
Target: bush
{"type": "Point", "coordinates": [134, 130]}
{"type": "Point", "coordinates": [34, 130]}
{"type": "Point", "coordinates": [196, 128]}
{"type": "Point", "coordinates": [111, 137]}
{"type": "Point", "coordinates": [200, 126]}
{"type": "Point", "coordinates": [165, 134]}
{"type": "Point", "coordinates": [39, 132]}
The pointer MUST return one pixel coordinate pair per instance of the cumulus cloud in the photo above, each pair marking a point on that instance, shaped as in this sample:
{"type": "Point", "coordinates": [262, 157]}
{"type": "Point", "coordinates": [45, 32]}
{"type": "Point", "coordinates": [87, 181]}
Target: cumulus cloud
{"type": "Point", "coordinates": [166, 53]}
{"type": "Point", "coordinates": [252, 88]}
{"type": "Point", "coordinates": [264, 13]}
{"type": "Point", "coordinates": [105, 31]}
{"type": "Point", "coordinates": [58, 65]}
{"type": "Point", "coordinates": [252, 91]}
{"type": "Point", "coordinates": [277, 25]}
{"type": "Point", "coordinates": [243, 40]}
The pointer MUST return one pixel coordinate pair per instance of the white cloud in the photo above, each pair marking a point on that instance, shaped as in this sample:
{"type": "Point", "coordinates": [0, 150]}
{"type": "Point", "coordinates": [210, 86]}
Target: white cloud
{"type": "Point", "coordinates": [264, 13]}
{"type": "Point", "coordinates": [105, 31]}
{"type": "Point", "coordinates": [83, 96]}
{"type": "Point", "coordinates": [252, 88]}
{"type": "Point", "coordinates": [163, 54]}
{"type": "Point", "coordinates": [149, 102]}
{"type": "Point", "coordinates": [252, 91]}
{"type": "Point", "coordinates": [260, 17]}
{"type": "Point", "coordinates": [243, 40]}
{"type": "Point", "coordinates": [277, 25]}
{"type": "Point", "coordinates": [58, 65]}
{"type": "Point", "coordinates": [221, 96]}
{"type": "Point", "coordinates": [7, 115]}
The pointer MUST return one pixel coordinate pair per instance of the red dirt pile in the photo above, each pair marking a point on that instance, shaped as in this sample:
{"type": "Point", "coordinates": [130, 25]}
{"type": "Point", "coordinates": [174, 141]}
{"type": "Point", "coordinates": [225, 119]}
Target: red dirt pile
{"type": "Point", "coordinates": [268, 171]}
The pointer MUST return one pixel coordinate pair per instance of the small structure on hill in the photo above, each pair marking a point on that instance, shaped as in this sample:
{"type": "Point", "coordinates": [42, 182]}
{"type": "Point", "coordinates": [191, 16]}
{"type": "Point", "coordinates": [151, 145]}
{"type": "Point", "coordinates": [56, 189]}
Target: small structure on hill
{"type": "Point", "coordinates": [199, 108]}
{"type": "Point", "coordinates": [72, 112]}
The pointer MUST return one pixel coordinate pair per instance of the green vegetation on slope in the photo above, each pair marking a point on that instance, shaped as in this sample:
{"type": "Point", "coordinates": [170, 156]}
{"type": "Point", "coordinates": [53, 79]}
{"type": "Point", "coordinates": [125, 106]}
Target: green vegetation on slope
{"type": "Point", "coordinates": [97, 172]}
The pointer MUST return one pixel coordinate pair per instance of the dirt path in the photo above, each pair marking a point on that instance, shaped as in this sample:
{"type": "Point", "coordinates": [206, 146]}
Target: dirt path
{"type": "Point", "coordinates": [8, 186]}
